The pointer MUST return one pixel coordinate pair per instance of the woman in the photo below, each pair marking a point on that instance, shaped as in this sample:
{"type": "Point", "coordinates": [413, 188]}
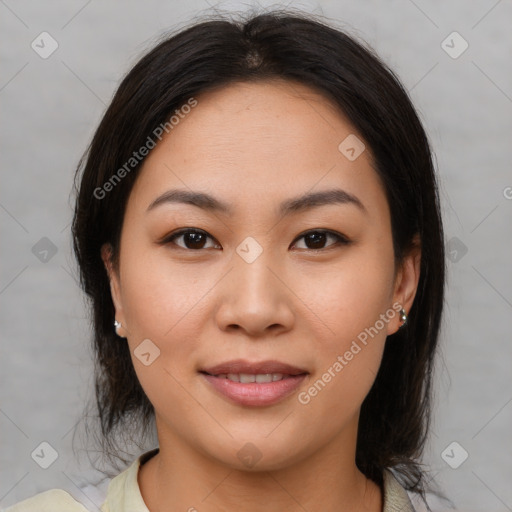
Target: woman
{"type": "Point", "coordinates": [258, 230]}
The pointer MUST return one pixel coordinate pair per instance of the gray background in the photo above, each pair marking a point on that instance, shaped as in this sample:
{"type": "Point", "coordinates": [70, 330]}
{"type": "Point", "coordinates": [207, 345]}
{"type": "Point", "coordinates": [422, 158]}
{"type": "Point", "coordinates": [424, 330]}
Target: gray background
{"type": "Point", "coordinates": [50, 108]}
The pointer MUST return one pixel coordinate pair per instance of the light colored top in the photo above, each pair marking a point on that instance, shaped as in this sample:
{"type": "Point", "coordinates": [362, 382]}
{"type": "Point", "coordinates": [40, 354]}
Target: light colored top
{"type": "Point", "coordinates": [123, 495]}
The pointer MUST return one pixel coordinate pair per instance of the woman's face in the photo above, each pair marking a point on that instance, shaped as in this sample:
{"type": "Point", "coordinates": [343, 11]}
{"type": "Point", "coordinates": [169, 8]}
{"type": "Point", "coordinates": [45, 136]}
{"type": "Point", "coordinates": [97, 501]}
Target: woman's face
{"type": "Point", "coordinates": [272, 284]}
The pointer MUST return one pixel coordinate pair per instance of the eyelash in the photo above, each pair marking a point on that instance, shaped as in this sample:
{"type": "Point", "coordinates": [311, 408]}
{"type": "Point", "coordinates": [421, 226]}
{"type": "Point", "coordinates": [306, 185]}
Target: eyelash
{"type": "Point", "coordinates": [340, 239]}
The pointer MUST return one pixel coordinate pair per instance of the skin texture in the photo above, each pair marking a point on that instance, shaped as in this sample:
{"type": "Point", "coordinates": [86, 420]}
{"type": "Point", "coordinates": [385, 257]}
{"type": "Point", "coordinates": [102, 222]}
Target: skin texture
{"type": "Point", "coordinates": [254, 146]}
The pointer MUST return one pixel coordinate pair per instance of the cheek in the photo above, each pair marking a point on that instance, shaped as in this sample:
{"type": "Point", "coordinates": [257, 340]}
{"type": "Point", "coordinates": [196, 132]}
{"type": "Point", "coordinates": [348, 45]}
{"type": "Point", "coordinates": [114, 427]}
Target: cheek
{"type": "Point", "coordinates": [165, 302]}
{"type": "Point", "coordinates": [334, 396]}
{"type": "Point", "coordinates": [156, 293]}
{"type": "Point", "coordinates": [350, 295]}
{"type": "Point", "coordinates": [354, 303]}
{"type": "Point", "coordinates": [163, 305]}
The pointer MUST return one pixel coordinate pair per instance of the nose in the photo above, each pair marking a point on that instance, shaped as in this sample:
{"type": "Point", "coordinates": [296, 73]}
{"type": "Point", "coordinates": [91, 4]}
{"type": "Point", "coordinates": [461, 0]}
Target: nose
{"type": "Point", "coordinates": [256, 298]}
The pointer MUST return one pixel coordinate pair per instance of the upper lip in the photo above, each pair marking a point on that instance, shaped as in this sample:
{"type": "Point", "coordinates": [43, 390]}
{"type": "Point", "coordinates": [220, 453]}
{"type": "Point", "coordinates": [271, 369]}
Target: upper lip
{"type": "Point", "coordinates": [255, 368]}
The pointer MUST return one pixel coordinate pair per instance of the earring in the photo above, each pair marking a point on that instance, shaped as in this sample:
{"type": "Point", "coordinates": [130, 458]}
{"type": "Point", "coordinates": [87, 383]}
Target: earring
{"type": "Point", "coordinates": [403, 317]}
{"type": "Point", "coordinates": [117, 325]}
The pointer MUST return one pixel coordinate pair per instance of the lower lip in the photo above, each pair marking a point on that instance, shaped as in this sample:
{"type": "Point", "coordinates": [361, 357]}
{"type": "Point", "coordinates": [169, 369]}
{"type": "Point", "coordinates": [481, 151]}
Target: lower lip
{"type": "Point", "coordinates": [254, 393]}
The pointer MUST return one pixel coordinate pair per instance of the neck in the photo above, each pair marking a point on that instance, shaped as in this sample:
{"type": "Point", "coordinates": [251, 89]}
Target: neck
{"type": "Point", "coordinates": [179, 478]}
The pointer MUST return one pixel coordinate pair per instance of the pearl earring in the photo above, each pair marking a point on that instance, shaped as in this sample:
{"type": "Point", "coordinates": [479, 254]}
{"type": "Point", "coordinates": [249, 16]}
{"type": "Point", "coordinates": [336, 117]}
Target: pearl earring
{"type": "Point", "coordinates": [117, 325]}
{"type": "Point", "coordinates": [403, 317]}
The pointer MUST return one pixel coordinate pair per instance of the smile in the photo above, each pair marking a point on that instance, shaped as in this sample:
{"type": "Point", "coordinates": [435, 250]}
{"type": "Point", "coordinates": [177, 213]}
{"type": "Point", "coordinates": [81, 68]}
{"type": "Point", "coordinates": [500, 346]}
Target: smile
{"type": "Point", "coordinates": [246, 378]}
{"type": "Point", "coordinates": [254, 384]}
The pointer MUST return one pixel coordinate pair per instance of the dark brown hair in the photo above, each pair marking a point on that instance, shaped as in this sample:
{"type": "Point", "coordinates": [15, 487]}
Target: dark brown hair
{"type": "Point", "coordinates": [301, 48]}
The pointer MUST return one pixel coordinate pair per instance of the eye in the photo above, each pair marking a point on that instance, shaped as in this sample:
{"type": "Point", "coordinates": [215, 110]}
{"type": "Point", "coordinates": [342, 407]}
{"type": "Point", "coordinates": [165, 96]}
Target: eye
{"type": "Point", "coordinates": [195, 239]}
{"type": "Point", "coordinates": [192, 238]}
{"type": "Point", "coordinates": [315, 240]}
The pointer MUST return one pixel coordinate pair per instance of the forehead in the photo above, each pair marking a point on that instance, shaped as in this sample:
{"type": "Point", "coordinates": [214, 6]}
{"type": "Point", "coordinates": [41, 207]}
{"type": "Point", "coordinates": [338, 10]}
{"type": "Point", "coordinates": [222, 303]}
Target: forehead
{"type": "Point", "coordinates": [277, 114]}
{"type": "Point", "coordinates": [263, 140]}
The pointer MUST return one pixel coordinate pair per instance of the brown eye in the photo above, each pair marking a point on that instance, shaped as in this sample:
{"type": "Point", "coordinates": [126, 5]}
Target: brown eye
{"type": "Point", "coordinates": [193, 239]}
{"type": "Point", "coordinates": [316, 240]}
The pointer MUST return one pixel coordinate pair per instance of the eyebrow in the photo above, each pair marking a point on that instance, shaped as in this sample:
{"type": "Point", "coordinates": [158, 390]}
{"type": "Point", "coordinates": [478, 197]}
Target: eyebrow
{"type": "Point", "coordinates": [305, 202]}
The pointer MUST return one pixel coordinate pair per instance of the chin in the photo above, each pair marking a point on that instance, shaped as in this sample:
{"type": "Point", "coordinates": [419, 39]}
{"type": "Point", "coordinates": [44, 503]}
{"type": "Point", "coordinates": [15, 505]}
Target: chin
{"type": "Point", "coordinates": [260, 454]}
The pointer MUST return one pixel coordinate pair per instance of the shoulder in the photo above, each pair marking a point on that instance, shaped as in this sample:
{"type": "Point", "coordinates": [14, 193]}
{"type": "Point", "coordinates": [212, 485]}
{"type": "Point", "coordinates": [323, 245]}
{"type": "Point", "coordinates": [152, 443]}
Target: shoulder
{"type": "Point", "coordinates": [54, 500]}
{"type": "Point", "coordinates": [397, 497]}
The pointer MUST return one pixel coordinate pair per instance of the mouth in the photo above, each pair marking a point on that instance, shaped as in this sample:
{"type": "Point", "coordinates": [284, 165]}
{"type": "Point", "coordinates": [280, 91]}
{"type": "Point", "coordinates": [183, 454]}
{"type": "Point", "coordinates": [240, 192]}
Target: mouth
{"type": "Point", "coordinates": [247, 378]}
{"type": "Point", "coordinates": [254, 384]}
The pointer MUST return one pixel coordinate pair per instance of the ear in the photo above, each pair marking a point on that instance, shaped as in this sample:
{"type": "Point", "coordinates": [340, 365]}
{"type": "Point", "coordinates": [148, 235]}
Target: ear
{"type": "Point", "coordinates": [406, 282]}
{"type": "Point", "coordinates": [115, 288]}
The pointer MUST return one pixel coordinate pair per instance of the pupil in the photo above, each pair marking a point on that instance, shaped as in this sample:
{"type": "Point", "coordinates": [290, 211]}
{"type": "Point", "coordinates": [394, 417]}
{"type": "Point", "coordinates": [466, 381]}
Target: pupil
{"type": "Point", "coordinates": [194, 238]}
{"type": "Point", "coordinates": [318, 239]}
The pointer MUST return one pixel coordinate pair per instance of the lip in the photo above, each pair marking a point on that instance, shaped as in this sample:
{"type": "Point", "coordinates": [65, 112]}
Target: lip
{"type": "Point", "coordinates": [243, 366]}
{"type": "Point", "coordinates": [254, 393]}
